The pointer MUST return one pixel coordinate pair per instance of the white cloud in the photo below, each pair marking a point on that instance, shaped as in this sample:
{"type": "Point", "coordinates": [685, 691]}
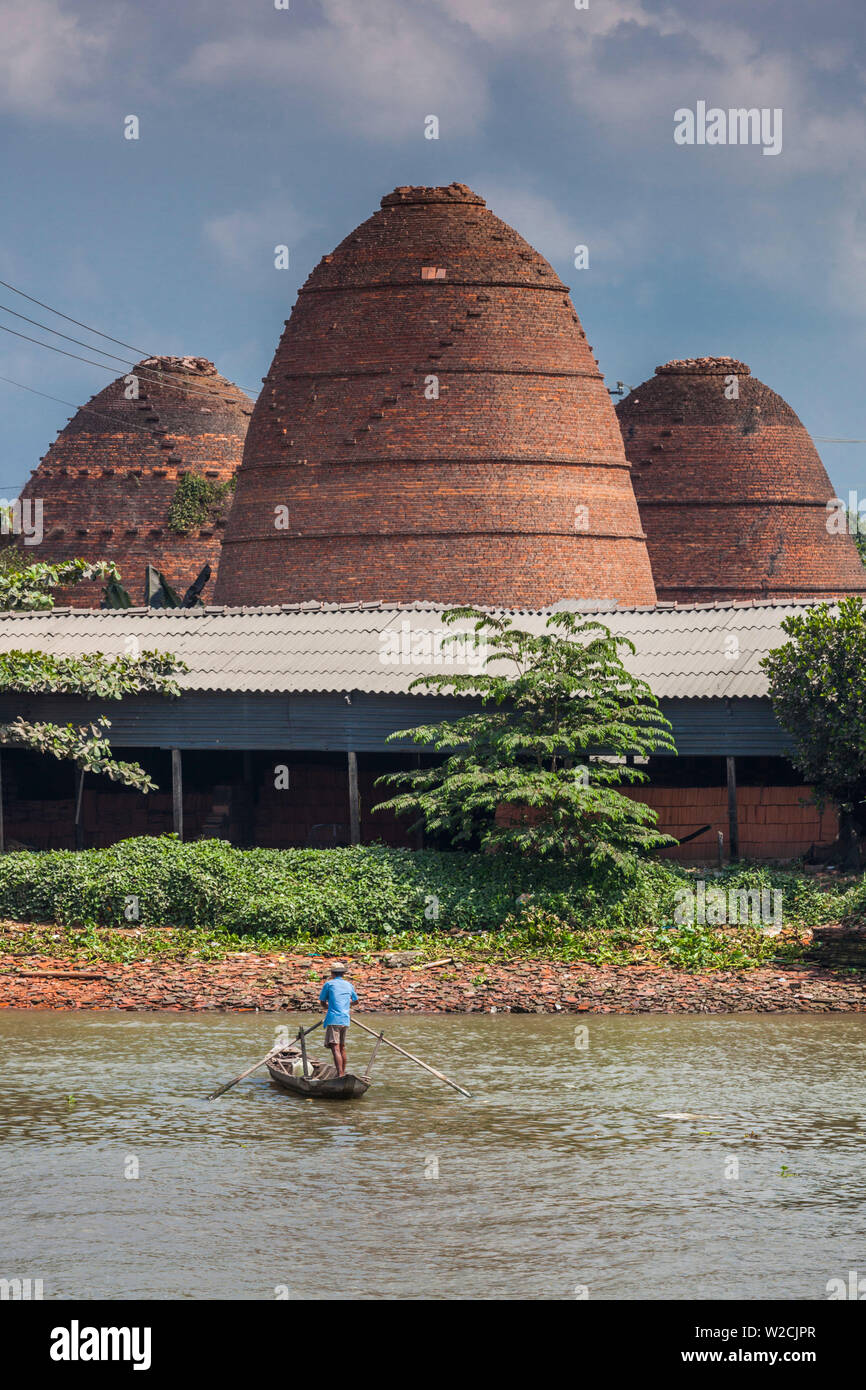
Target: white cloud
{"type": "Point", "coordinates": [615, 245]}
{"type": "Point", "coordinates": [848, 257]}
{"type": "Point", "coordinates": [829, 142]}
{"type": "Point", "coordinates": [506, 20]}
{"type": "Point", "coordinates": [245, 238]}
{"type": "Point", "coordinates": [537, 218]}
{"type": "Point", "coordinates": [379, 68]}
{"type": "Point", "coordinates": [48, 57]}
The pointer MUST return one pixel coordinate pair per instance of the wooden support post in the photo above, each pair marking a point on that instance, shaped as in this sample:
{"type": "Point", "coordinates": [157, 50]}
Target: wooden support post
{"type": "Point", "coordinates": [2, 824]}
{"type": "Point", "coordinates": [733, 825]}
{"type": "Point", "coordinates": [247, 811]}
{"type": "Point", "coordinates": [79, 792]}
{"type": "Point", "coordinates": [177, 792]}
{"type": "Point", "coordinates": [354, 801]}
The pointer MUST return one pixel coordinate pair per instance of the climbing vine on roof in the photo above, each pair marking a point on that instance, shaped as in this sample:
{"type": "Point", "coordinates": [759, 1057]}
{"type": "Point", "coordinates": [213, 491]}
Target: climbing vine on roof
{"type": "Point", "coordinates": [197, 501]}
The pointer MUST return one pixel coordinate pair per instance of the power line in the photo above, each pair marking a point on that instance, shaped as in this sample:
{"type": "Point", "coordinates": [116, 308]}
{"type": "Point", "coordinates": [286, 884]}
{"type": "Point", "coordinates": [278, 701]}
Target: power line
{"type": "Point", "coordinates": [163, 378]}
{"type": "Point", "coordinates": [75, 355]}
{"type": "Point", "coordinates": [83, 409]}
{"type": "Point", "coordinates": [58, 334]}
{"type": "Point", "coordinates": [59, 399]}
{"type": "Point", "coordinates": [156, 377]}
{"type": "Point", "coordinates": [80, 409]}
{"type": "Point", "coordinates": [98, 333]}
{"type": "Point", "coordinates": [77, 322]}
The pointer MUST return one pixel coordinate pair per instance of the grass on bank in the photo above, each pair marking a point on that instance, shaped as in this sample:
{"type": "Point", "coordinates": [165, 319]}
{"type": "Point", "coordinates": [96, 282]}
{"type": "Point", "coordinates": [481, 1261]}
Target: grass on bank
{"type": "Point", "coordinates": [206, 900]}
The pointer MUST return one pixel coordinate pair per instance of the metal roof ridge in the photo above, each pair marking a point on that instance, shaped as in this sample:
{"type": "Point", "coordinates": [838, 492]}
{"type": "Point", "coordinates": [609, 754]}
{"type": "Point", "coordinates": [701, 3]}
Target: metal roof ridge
{"type": "Point", "coordinates": [417, 605]}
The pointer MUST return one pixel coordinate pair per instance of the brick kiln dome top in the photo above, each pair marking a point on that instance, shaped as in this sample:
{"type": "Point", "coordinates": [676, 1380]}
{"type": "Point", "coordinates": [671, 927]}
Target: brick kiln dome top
{"type": "Point", "coordinates": [703, 366]}
{"type": "Point", "coordinates": [418, 193]}
{"type": "Point", "coordinates": [434, 426]}
{"type": "Point", "coordinates": [142, 473]}
{"type": "Point", "coordinates": [731, 490]}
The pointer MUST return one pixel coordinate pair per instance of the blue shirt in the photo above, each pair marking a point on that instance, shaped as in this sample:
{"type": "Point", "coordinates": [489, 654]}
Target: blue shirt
{"type": "Point", "coordinates": [338, 994]}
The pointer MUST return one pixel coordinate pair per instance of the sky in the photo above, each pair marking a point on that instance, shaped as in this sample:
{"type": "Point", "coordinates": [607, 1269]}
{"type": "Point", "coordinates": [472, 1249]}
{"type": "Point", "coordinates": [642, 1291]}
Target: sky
{"type": "Point", "coordinates": [261, 126]}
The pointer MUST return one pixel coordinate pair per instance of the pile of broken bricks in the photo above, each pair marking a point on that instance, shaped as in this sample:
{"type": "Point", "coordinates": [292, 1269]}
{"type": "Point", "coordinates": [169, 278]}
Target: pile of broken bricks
{"type": "Point", "coordinates": [402, 982]}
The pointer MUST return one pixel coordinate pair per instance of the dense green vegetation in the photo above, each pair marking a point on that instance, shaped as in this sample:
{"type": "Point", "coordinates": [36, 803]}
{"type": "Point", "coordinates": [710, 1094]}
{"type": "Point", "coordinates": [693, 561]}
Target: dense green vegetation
{"type": "Point", "coordinates": [219, 898]}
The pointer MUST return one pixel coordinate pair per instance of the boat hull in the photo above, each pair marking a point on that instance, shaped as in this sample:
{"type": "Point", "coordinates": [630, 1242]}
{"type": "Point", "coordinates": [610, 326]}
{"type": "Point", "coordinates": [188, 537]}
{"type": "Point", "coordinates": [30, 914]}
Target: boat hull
{"type": "Point", "coordinates": [348, 1087]}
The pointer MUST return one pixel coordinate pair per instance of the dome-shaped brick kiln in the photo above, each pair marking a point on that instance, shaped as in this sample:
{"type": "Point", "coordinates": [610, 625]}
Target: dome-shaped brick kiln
{"type": "Point", "coordinates": [731, 491]}
{"type": "Point", "coordinates": [142, 475]}
{"type": "Point", "coordinates": [434, 426]}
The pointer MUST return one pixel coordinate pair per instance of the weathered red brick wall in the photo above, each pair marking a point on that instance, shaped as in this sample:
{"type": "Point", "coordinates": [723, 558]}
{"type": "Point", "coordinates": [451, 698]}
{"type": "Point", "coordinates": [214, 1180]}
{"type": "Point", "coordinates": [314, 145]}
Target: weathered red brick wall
{"type": "Point", "coordinates": [511, 487]}
{"type": "Point", "coordinates": [108, 480]}
{"type": "Point", "coordinates": [317, 795]}
{"type": "Point", "coordinates": [106, 817]}
{"type": "Point", "coordinates": [731, 492]}
{"type": "Point", "coordinates": [773, 822]}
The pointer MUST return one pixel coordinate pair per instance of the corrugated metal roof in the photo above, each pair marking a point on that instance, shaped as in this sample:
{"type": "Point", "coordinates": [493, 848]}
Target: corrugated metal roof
{"type": "Point", "coordinates": [708, 651]}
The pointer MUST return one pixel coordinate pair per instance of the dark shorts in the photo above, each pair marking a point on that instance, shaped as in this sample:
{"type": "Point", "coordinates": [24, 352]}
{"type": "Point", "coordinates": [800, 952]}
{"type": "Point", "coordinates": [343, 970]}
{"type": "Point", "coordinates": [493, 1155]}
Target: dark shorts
{"type": "Point", "coordinates": [334, 1035]}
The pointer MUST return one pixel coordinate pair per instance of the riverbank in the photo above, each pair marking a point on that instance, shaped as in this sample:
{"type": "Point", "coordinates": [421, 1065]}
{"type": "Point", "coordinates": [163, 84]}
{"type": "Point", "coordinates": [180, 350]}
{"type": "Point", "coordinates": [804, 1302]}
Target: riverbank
{"type": "Point", "coordinates": [271, 981]}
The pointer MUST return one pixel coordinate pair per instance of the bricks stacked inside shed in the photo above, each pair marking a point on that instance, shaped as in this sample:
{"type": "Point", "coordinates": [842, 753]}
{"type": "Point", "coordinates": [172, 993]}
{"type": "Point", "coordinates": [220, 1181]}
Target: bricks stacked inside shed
{"type": "Point", "coordinates": [437, 427]}
{"type": "Point", "coordinates": [116, 483]}
{"type": "Point", "coordinates": [731, 491]}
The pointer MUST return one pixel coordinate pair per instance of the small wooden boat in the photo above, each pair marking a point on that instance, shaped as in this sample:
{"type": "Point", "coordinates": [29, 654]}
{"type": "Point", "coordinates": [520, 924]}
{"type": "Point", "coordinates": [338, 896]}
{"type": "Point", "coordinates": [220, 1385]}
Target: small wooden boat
{"type": "Point", "coordinates": [295, 1071]}
{"type": "Point", "coordinates": [323, 1083]}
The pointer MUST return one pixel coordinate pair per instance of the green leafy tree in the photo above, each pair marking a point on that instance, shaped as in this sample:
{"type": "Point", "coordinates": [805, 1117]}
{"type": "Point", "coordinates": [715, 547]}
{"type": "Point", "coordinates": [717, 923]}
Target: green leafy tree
{"type": "Point", "coordinates": [93, 676]}
{"type": "Point", "coordinates": [818, 688]}
{"type": "Point", "coordinates": [559, 715]}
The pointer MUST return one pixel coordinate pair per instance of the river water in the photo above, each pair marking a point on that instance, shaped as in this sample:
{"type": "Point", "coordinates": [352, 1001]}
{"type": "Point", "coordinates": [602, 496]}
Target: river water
{"type": "Point", "coordinates": [668, 1158]}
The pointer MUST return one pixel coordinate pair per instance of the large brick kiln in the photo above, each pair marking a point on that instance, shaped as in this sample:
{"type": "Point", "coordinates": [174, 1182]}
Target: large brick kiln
{"type": "Point", "coordinates": [731, 491]}
{"type": "Point", "coordinates": [115, 484]}
{"type": "Point", "coordinates": [434, 426]}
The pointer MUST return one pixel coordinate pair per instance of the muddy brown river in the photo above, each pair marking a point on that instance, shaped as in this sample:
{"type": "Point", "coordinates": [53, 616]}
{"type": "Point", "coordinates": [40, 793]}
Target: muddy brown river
{"type": "Point", "coordinates": [645, 1157]}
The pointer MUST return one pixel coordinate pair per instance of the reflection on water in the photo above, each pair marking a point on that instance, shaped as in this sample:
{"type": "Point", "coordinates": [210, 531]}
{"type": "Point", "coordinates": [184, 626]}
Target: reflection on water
{"type": "Point", "coordinates": [608, 1166]}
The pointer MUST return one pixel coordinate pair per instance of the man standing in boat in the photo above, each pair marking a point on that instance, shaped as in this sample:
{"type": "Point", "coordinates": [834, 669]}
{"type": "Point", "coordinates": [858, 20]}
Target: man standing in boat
{"type": "Point", "coordinates": [339, 995]}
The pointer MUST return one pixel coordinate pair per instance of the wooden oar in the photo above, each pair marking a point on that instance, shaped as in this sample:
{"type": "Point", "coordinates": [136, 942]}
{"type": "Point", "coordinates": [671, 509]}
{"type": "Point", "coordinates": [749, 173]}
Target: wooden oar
{"type": "Point", "coordinates": [273, 1052]}
{"type": "Point", "coordinates": [412, 1057]}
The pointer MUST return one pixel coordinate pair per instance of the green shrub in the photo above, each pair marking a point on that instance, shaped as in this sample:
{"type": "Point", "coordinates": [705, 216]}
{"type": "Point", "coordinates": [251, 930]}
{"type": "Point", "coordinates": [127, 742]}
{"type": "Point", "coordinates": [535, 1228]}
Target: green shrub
{"type": "Point", "coordinates": [370, 891]}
